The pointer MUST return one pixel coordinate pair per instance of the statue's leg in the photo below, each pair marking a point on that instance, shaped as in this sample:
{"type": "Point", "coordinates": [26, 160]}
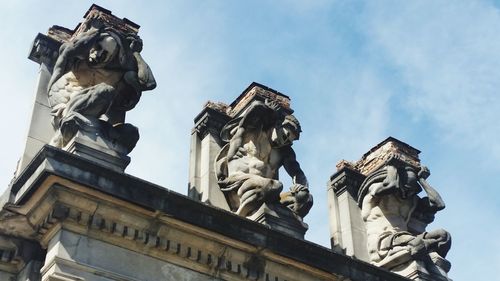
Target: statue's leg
{"type": "Point", "coordinates": [260, 188]}
{"type": "Point", "coordinates": [82, 107]}
{"type": "Point", "coordinates": [126, 135]}
{"type": "Point", "coordinates": [438, 241]}
{"type": "Point", "coordinates": [93, 101]}
{"type": "Point", "coordinates": [418, 247]}
{"type": "Point", "coordinates": [255, 191]}
{"type": "Point", "coordinates": [389, 249]}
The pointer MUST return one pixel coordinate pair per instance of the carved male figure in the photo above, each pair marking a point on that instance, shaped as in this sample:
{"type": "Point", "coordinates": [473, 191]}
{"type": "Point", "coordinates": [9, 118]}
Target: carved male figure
{"type": "Point", "coordinates": [97, 77]}
{"type": "Point", "coordinates": [260, 142]}
{"type": "Point", "coordinates": [389, 204]}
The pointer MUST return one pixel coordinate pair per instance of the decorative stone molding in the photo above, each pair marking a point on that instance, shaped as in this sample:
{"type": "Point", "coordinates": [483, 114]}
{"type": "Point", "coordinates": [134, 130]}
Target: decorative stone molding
{"type": "Point", "coordinates": [156, 235]}
{"type": "Point", "coordinates": [165, 246]}
{"type": "Point", "coordinates": [16, 253]}
{"type": "Point", "coordinates": [346, 179]}
{"type": "Point", "coordinates": [210, 121]}
{"type": "Point", "coordinates": [260, 92]}
{"type": "Point", "coordinates": [60, 192]}
{"type": "Point", "coordinates": [44, 50]}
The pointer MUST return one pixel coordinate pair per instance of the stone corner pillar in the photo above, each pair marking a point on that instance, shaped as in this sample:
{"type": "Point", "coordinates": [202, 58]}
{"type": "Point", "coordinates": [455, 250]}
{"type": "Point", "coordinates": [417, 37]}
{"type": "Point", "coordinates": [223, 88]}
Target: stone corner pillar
{"type": "Point", "coordinates": [44, 52]}
{"type": "Point", "coordinates": [205, 145]}
{"type": "Point", "coordinates": [347, 229]}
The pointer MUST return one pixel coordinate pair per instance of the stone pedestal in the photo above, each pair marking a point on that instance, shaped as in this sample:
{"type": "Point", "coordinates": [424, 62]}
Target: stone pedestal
{"type": "Point", "coordinates": [280, 218]}
{"type": "Point", "coordinates": [93, 147]}
{"type": "Point", "coordinates": [418, 270]}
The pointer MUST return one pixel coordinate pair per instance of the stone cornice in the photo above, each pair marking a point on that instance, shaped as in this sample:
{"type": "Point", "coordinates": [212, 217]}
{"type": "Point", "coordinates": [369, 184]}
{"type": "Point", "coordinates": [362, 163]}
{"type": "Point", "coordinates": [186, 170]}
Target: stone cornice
{"type": "Point", "coordinates": [61, 190]}
{"type": "Point", "coordinates": [16, 252]}
{"type": "Point", "coordinates": [210, 121]}
{"type": "Point", "coordinates": [346, 179]}
{"type": "Point", "coordinates": [44, 50]}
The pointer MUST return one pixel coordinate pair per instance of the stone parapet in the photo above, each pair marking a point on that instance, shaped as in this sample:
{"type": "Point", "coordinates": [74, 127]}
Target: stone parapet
{"type": "Point", "coordinates": [62, 198]}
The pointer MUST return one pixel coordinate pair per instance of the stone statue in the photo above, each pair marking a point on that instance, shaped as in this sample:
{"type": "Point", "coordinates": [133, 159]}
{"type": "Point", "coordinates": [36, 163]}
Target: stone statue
{"type": "Point", "coordinates": [392, 212]}
{"type": "Point", "coordinates": [260, 142]}
{"type": "Point", "coordinates": [98, 76]}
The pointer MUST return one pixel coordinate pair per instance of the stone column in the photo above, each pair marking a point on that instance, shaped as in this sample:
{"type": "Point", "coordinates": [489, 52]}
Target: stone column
{"type": "Point", "coordinates": [205, 145]}
{"type": "Point", "coordinates": [44, 52]}
{"type": "Point", "coordinates": [347, 229]}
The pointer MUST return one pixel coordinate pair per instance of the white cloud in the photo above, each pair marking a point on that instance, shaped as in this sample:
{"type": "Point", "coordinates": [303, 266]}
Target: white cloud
{"type": "Point", "coordinates": [448, 56]}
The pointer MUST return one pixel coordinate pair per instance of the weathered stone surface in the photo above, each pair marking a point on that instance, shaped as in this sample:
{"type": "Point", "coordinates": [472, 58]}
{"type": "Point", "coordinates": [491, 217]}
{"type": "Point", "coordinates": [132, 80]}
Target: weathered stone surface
{"type": "Point", "coordinates": [381, 153]}
{"type": "Point", "coordinates": [92, 75]}
{"type": "Point", "coordinates": [259, 143]}
{"type": "Point", "coordinates": [62, 193]}
{"type": "Point", "coordinates": [78, 256]}
{"type": "Point", "coordinates": [249, 141]}
{"type": "Point", "coordinates": [20, 259]}
{"type": "Point", "coordinates": [205, 145]}
{"type": "Point", "coordinates": [256, 91]}
{"type": "Point", "coordinates": [391, 218]}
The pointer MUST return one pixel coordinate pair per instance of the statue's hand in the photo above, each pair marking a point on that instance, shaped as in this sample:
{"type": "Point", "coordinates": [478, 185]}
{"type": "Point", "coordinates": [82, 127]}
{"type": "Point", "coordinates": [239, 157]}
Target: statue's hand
{"type": "Point", "coordinates": [135, 43]}
{"type": "Point", "coordinates": [424, 172]}
{"type": "Point", "coordinates": [299, 200]}
{"type": "Point", "coordinates": [298, 187]}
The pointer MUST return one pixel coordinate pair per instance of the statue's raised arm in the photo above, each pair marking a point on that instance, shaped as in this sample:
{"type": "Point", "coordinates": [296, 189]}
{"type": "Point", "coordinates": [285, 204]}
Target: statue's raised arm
{"type": "Point", "coordinates": [142, 78]}
{"type": "Point", "coordinates": [433, 201]}
{"type": "Point", "coordinates": [298, 199]}
{"type": "Point", "coordinates": [70, 52]}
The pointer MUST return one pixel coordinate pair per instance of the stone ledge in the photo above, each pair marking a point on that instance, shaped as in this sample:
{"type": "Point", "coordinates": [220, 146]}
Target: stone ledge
{"type": "Point", "coordinates": [151, 197]}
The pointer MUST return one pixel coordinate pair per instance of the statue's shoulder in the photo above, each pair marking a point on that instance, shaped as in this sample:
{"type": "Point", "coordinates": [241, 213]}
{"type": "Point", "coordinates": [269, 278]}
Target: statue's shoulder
{"type": "Point", "coordinates": [221, 163]}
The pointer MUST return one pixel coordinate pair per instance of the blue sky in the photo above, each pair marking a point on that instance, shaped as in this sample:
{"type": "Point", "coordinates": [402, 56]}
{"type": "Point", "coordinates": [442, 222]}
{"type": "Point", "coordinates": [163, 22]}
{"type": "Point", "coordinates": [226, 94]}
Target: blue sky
{"type": "Point", "coordinates": [426, 72]}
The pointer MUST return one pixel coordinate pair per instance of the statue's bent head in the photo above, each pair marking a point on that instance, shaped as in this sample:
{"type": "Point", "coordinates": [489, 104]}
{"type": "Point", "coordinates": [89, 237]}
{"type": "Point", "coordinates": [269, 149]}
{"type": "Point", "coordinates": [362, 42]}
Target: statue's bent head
{"type": "Point", "coordinates": [287, 132]}
{"type": "Point", "coordinates": [410, 184]}
{"type": "Point", "coordinates": [103, 51]}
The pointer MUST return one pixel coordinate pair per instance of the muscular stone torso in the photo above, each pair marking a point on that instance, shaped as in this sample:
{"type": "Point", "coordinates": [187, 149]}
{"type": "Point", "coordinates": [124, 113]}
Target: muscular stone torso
{"type": "Point", "coordinates": [81, 77]}
{"type": "Point", "coordinates": [388, 213]}
{"type": "Point", "coordinates": [256, 156]}
{"type": "Point", "coordinates": [385, 215]}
